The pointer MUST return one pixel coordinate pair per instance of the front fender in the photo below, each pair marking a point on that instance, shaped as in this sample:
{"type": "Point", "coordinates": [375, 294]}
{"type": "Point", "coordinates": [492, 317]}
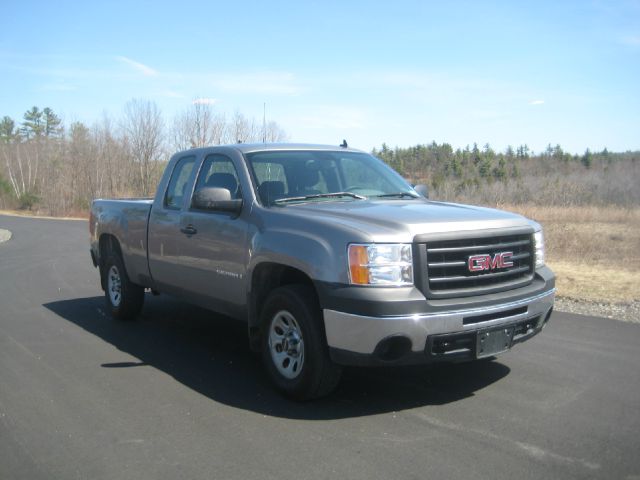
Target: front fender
{"type": "Point", "coordinates": [304, 251]}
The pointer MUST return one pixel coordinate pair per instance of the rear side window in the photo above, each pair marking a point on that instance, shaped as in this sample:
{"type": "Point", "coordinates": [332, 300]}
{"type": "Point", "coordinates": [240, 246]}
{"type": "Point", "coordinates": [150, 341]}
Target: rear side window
{"type": "Point", "coordinates": [178, 183]}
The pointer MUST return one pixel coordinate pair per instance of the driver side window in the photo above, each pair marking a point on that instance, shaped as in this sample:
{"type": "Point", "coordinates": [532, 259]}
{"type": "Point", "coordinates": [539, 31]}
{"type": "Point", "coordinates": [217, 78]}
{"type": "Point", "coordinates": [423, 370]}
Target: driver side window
{"type": "Point", "coordinates": [218, 171]}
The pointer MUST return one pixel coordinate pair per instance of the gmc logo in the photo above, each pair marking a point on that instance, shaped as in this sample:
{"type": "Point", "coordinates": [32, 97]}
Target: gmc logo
{"type": "Point", "coordinates": [478, 263]}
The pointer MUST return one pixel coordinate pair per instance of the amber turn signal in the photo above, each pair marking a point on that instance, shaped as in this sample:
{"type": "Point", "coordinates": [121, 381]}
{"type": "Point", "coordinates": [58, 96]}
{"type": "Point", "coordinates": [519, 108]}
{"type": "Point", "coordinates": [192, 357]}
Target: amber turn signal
{"type": "Point", "coordinates": [359, 264]}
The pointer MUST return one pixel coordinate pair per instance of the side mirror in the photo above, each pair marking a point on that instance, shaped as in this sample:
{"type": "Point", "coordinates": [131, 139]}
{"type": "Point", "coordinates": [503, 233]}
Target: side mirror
{"type": "Point", "coordinates": [422, 190]}
{"type": "Point", "coordinates": [216, 199]}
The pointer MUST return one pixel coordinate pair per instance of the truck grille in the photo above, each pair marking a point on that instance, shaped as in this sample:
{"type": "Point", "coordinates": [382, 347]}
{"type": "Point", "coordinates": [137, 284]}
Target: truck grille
{"type": "Point", "coordinates": [448, 265]}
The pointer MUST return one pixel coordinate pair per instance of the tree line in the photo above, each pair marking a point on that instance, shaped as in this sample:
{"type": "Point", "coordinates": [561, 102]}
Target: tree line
{"type": "Point", "coordinates": [58, 169]}
{"type": "Point", "coordinates": [519, 175]}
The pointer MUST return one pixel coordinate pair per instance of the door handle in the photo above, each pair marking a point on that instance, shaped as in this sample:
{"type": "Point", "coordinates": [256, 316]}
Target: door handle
{"type": "Point", "coordinates": [189, 230]}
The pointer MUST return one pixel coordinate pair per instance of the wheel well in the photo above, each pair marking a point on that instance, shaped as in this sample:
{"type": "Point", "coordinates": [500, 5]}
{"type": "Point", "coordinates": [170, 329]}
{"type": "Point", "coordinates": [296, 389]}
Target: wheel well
{"type": "Point", "coordinates": [107, 244]}
{"type": "Point", "coordinates": [267, 277]}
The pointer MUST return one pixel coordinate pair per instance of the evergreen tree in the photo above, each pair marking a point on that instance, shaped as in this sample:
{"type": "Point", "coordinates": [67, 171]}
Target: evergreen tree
{"type": "Point", "coordinates": [5, 186]}
{"type": "Point", "coordinates": [485, 168]}
{"type": "Point", "coordinates": [500, 172]}
{"type": "Point", "coordinates": [32, 126]}
{"type": "Point", "coordinates": [587, 158]}
{"type": "Point", "coordinates": [51, 123]}
{"type": "Point", "coordinates": [456, 167]}
{"type": "Point", "coordinates": [475, 154]}
{"type": "Point", "coordinates": [557, 153]}
{"type": "Point", "coordinates": [7, 129]}
{"type": "Point", "coordinates": [510, 153]}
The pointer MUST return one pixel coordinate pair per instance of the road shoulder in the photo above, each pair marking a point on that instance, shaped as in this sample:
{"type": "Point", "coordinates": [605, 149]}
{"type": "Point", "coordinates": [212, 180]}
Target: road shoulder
{"type": "Point", "coordinates": [626, 312]}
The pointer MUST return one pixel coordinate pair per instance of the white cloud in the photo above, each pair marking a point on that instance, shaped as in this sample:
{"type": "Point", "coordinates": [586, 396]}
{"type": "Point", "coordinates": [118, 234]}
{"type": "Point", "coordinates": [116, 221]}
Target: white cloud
{"type": "Point", "coordinates": [139, 67]}
{"type": "Point", "coordinates": [536, 102]}
{"type": "Point", "coordinates": [204, 101]}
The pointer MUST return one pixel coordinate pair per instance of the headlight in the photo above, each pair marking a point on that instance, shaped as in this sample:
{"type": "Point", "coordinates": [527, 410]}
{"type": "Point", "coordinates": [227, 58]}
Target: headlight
{"type": "Point", "coordinates": [538, 245]}
{"type": "Point", "coordinates": [381, 264]}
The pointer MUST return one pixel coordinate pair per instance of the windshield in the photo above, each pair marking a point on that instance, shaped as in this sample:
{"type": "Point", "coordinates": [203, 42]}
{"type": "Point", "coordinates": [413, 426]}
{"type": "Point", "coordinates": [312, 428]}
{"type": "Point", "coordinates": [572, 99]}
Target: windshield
{"type": "Point", "coordinates": [304, 176]}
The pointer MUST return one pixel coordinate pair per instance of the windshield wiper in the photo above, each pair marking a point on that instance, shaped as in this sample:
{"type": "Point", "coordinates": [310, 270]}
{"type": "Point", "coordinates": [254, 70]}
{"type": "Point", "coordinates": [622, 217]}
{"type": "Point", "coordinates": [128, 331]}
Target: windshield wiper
{"type": "Point", "coordinates": [398, 195]}
{"type": "Point", "coordinates": [320, 195]}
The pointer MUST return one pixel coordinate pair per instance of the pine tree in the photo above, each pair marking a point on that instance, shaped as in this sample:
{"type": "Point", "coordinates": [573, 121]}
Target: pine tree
{"type": "Point", "coordinates": [587, 159]}
{"type": "Point", "coordinates": [500, 172]}
{"type": "Point", "coordinates": [475, 154]}
{"type": "Point", "coordinates": [32, 126]}
{"type": "Point", "coordinates": [7, 130]}
{"type": "Point", "coordinates": [485, 168]}
{"type": "Point", "coordinates": [51, 123]}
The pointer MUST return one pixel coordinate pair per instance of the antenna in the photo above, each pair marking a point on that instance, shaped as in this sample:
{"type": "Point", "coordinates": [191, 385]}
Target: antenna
{"type": "Point", "coordinates": [264, 122]}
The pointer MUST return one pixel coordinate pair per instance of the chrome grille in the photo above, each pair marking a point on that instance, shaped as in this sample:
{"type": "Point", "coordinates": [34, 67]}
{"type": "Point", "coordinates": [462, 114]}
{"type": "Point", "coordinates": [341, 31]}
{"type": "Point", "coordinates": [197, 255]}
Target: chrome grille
{"type": "Point", "coordinates": [448, 262]}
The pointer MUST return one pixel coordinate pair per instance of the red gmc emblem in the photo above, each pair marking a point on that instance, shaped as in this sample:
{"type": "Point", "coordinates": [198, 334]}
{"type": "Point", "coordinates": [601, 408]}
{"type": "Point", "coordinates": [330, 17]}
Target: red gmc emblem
{"type": "Point", "coordinates": [478, 263]}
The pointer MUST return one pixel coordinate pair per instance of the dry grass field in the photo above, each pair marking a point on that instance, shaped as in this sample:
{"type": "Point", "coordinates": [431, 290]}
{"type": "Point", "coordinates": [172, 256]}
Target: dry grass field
{"type": "Point", "coordinates": [594, 251]}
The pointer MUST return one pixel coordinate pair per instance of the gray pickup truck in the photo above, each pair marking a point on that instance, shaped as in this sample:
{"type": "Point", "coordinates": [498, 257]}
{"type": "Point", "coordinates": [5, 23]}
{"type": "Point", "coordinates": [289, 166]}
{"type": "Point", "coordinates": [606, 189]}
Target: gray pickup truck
{"type": "Point", "coordinates": [329, 256]}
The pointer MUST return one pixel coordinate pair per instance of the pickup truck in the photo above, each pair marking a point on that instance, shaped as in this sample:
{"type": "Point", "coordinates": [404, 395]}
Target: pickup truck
{"type": "Point", "coordinates": [329, 256]}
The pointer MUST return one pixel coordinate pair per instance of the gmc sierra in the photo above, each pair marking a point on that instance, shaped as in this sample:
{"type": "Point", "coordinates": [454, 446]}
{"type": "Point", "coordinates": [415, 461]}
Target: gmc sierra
{"type": "Point", "coordinates": [329, 256]}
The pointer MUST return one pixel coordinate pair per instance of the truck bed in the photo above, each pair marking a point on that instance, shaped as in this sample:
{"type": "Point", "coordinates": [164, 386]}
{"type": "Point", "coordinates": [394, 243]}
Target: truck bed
{"type": "Point", "coordinates": [127, 220]}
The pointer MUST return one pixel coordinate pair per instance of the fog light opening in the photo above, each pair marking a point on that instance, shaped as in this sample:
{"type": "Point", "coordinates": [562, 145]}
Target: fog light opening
{"type": "Point", "coordinates": [393, 348]}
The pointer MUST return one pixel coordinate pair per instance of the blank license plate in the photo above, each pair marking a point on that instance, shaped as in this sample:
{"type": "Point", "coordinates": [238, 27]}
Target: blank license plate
{"type": "Point", "coordinates": [494, 341]}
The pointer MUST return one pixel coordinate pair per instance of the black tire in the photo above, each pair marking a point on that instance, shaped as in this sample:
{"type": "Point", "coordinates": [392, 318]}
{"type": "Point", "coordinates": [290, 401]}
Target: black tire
{"type": "Point", "coordinates": [127, 302]}
{"type": "Point", "coordinates": [315, 375]}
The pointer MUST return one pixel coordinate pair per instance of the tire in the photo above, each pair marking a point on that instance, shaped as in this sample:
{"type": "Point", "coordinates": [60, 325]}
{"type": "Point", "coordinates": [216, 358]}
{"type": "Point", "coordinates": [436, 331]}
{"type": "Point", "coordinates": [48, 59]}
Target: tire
{"type": "Point", "coordinates": [294, 347]}
{"type": "Point", "coordinates": [124, 299]}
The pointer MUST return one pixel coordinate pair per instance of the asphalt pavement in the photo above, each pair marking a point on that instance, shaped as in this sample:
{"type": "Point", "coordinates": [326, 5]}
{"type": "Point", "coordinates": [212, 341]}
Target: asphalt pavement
{"type": "Point", "coordinates": [177, 394]}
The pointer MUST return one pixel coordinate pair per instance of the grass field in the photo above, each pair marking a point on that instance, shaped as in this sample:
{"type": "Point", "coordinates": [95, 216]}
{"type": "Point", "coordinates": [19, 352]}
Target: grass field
{"type": "Point", "coordinates": [594, 251]}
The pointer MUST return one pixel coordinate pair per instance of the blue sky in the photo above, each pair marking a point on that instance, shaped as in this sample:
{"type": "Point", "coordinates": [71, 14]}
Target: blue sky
{"type": "Point", "coordinates": [400, 72]}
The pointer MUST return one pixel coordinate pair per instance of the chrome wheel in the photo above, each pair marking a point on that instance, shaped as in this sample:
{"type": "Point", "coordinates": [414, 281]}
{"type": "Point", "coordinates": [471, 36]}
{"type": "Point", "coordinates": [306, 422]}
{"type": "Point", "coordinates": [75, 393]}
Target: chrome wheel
{"type": "Point", "coordinates": [286, 344]}
{"type": "Point", "coordinates": [114, 286]}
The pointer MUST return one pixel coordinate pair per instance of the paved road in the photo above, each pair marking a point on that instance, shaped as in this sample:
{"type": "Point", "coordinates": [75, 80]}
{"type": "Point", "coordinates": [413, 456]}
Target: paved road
{"type": "Point", "coordinates": [178, 395]}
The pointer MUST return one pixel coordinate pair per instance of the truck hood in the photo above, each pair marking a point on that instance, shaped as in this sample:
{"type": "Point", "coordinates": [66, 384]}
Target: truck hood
{"type": "Point", "coordinates": [401, 220]}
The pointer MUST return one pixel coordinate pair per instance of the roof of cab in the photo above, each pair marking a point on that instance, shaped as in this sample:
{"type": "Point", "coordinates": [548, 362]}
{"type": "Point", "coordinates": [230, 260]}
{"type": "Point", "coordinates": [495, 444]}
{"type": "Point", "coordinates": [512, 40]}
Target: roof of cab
{"type": "Point", "coordinates": [262, 147]}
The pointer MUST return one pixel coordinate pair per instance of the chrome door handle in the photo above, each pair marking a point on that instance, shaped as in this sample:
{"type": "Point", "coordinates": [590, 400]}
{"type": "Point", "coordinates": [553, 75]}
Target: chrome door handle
{"type": "Point", "coordinates": [189, 230]}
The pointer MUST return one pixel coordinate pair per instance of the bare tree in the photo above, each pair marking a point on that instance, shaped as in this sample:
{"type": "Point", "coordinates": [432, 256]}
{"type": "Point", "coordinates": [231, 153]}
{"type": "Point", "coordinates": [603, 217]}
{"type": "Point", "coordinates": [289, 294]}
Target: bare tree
{"type": "Point", "coordinates": [275, 133]}
{"type": "Point", "coordinates": [242, 130]}
{"type": "Point", "coordinates": [60, 170]}
{"type": "Point", "coordinates": [143, 130]}
{"type": "Point", "coordinates": [198, 126]}
{"type": "Point", "coordinates": [219, 129]}
{"type": "Point", "coordinates": [22, 161]}
{"type": "Point", "coordinates": [112, 161]}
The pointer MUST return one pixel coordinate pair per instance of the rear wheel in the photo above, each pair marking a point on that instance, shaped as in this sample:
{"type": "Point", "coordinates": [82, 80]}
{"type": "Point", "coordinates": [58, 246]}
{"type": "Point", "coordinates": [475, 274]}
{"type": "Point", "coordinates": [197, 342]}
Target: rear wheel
{"type": "Point", "coordinates": [294, 348]}
{"type": "Point", "coordinates": [124, 299]}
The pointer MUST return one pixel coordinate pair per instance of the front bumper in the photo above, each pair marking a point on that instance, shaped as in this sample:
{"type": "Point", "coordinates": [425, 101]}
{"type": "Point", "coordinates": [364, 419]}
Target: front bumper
{"type": "Point", "coordinates": [453, 335]}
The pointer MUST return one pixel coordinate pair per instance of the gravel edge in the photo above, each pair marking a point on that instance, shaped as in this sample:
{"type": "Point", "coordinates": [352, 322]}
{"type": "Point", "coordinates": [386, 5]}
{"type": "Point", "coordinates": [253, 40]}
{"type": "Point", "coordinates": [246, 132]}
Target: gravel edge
{"type": "Point", "coordinates": [626, 312]}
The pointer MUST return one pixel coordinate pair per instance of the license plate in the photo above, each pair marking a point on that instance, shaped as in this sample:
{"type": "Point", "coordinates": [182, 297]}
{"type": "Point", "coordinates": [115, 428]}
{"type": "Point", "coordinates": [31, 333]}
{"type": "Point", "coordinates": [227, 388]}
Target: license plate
{"type": "Point", "coordinates": [494, 341]}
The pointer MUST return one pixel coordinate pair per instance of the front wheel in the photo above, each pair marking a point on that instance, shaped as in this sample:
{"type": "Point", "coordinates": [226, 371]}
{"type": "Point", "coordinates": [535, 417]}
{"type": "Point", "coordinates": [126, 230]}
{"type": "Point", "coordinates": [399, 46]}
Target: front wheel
{"type": "Point", "coordinates": [124, 299]}
{"type": "Point", "coordinates": [294, 348]}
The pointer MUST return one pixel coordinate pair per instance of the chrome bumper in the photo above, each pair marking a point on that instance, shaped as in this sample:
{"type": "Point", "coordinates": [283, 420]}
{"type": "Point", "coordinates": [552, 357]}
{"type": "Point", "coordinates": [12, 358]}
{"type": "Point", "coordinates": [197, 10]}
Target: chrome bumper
{"type": "Point", "coordinates": [362, 334]}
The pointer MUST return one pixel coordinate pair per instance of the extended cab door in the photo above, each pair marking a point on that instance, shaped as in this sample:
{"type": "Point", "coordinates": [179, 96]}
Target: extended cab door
{"type": "Point", "coordinates": [212, 245]}
{"type": "Point", "coordinates": [164, 227]}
